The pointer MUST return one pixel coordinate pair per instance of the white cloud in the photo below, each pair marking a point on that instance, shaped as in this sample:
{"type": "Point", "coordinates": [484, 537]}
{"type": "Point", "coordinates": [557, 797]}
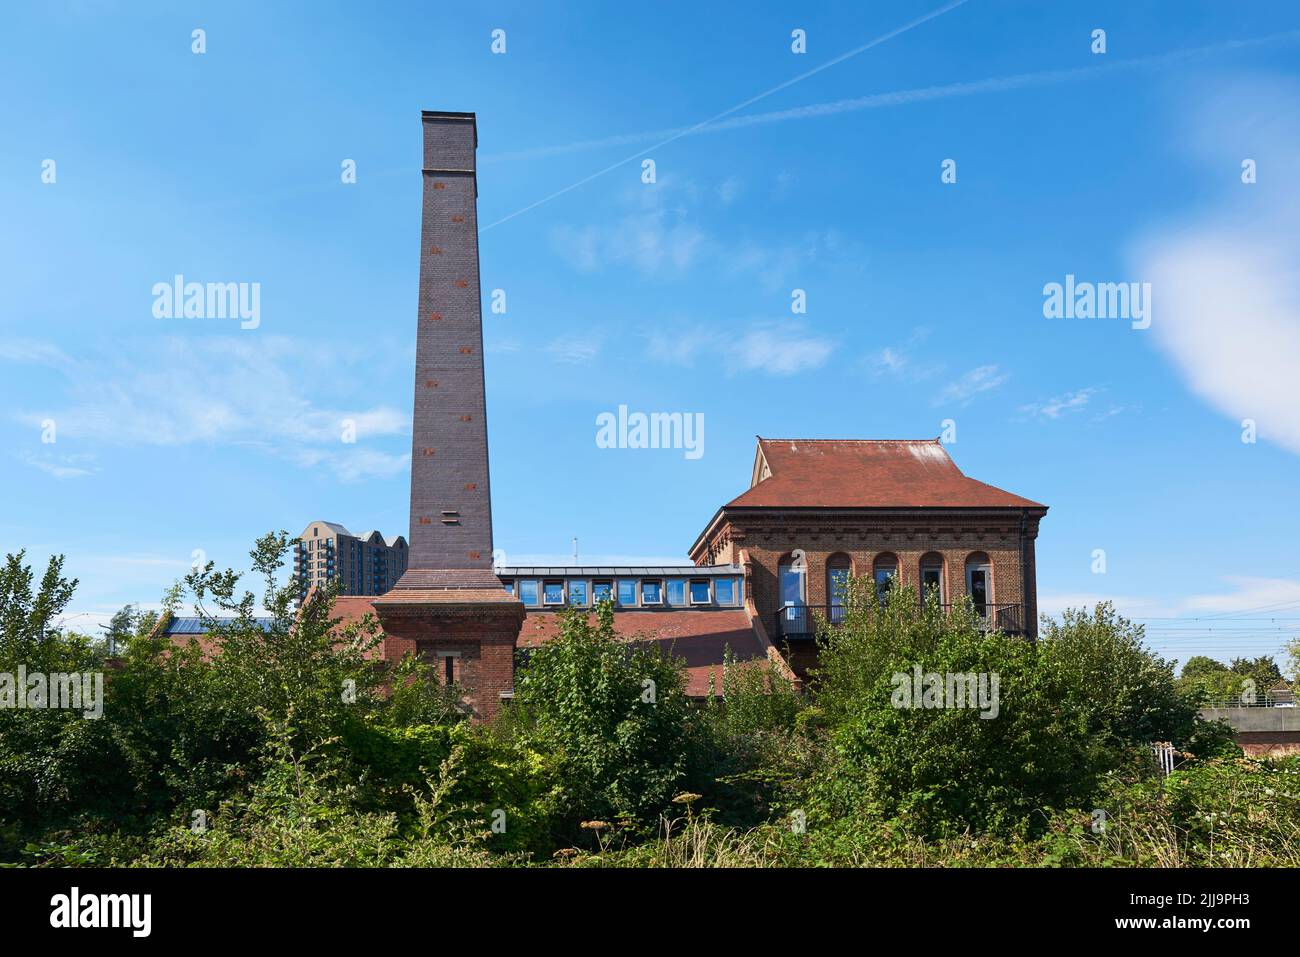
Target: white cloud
{"type": "Point", "coordinates": [34, 352]}
{"type": "Point", "coordinates": [61, 466]}
{"type": "Point", "coordinates": [1060, 405]}
{"type": "Point", "coordinates": [1249, 593]}
{"type": "Point", "coordinates": [684, 347]}
{"type": "Point", "coordinates": [654, 240]}
{"type": "Point", "coordinates": [352, 463]}
{"type": "Point", "coordinates": [1244, 594]}
{"type": "Point", "coordinates": [575, 350]}
{"type": "Point", "coordinates": [899, 360]}
{"type": "Point", "coordinates": [778, 350]}
{"type": "Point", "coordinates": [241, 389]}
{"type": "Point", "coordinates": [658, 239]}
{"type": "Point", "coordinates": [1225, 286]}
{"type": "Point", "coordinates": [1053, 604]}
{"type": "Point", "coordinates": [890, 360]}
{"type": "Point", "coordinates": [977, 380]}
{"type": "Point", "coordinates": [774, 348]}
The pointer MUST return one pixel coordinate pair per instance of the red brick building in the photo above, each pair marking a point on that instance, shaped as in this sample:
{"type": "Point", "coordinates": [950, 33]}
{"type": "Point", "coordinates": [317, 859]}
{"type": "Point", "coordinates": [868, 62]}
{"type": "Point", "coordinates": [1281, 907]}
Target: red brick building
{"type": "Point", "coordinates": [762, 572]}
{"type": "Point", "coordinates": [768, 561]}
{"type": "Point", "coordinates": [820, 510]}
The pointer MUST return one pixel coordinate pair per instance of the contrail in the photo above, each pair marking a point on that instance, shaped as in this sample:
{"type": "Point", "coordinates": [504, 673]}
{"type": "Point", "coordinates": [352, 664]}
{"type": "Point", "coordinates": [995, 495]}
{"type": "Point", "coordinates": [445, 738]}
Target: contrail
{"type": "Point", "coordinates": [678, 134]}
{"type": "Point", "coordinates": [896, 98]}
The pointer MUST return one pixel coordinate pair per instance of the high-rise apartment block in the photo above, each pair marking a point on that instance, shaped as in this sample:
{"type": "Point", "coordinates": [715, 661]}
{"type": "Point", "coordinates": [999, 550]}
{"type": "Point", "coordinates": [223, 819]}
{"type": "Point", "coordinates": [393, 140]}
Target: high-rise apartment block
{"type": "Point", "coordinates": [365, 564]}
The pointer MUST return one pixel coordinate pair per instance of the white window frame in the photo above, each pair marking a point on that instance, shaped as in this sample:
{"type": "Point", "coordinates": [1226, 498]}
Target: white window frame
{"type": "Point", "coordinates": [546, 602]}
{"type": "Point", "coordinates": [925, 589]}
{"type": "Point", "coordinates": [987, 569]}
{"type": "Point", "coordinates": [708, 591]}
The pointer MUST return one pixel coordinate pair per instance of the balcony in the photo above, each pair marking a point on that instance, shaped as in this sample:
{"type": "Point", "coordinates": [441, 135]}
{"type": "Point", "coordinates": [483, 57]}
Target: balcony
{"type": "Point", "coordinates": [799, 622]}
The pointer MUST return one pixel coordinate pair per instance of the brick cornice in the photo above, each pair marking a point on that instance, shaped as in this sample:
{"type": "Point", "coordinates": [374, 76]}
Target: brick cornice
{"type": "Point", "coordinates": [737, 524]}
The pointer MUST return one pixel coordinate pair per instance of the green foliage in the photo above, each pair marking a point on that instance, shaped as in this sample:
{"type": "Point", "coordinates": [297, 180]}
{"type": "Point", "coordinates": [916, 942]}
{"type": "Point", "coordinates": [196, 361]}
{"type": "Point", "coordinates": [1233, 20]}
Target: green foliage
{"type": "Point", "coordinates": [300, 749]}
{"type": "Point", "coordinates": [29, 634]}
{"type": "Point", "coordinates": [1085, 701]}
{"type": "Point", "coordinates": [1204, 679]}
{"type": "Point", "coordinates": [616, 714]}
{"type": "Point", "coordinates": [756, 697]}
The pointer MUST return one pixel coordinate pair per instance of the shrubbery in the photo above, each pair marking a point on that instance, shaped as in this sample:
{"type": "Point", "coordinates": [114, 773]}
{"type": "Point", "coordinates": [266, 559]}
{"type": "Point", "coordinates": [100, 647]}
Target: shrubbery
{"type": "Point", "coordinates": [298, 751]}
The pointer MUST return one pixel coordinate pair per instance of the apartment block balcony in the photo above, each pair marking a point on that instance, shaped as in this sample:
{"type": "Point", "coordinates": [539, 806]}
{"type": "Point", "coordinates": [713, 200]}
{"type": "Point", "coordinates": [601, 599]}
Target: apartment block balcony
{"type": "Point", "coordinates": [799, 622]}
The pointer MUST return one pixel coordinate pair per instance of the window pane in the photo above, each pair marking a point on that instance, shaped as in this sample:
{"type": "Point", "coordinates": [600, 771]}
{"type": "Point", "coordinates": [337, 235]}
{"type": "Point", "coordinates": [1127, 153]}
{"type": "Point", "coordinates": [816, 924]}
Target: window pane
{"type": "Point", "coordinates": [676, 591]}
{"type": "Point", "coordinates": [601, 590]}
{"type": "Point", "coordinates": [931, 579]}
{"type": "Point", "coordinates": [553, 593]}
{"type": "Point", "coordinates": [839, 582]}
{"type": "Point", "coordinates": [791, 586]}
{"type": "Point", "coordinates": [626, 592]}
{"type": "Point", "coordinates": [577, 593]}
{"type": "Point", "coordinates": [979, 589]}
{"type": "Point", "coordinates": [528, 591]}
{"type": "Point", "coordinates": [650, 593]}
{"type": "Point", "coordinates": [699, 593]}
{"type": "Point", "coordinates": [725, 590]}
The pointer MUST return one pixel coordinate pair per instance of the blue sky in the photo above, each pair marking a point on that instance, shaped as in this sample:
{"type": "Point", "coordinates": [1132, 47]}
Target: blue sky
{"type": "Point", "coordinates": [924, 299]}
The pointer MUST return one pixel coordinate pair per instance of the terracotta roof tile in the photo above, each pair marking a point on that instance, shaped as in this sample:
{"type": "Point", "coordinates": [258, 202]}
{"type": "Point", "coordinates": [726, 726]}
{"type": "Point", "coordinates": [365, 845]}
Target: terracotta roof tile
{"type": "Point", "coordinates": [877, 473]}
{"type": "Point", "coordinates": [699, 638]}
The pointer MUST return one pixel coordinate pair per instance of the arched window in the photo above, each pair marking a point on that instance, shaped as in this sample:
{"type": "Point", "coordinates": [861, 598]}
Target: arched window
{"type": "Point", "coordinates": [885, 572]}
{"type": "Point", "coordinates": [792, 595]}
{"type": "Point", "coordinates": [979, 582]}
{"type": "Point", "coordinates": [838, 568]}
{"type": "Point", "coordinates": [932, 576]}
{"type": "Point", "coordinates": [791, 576]}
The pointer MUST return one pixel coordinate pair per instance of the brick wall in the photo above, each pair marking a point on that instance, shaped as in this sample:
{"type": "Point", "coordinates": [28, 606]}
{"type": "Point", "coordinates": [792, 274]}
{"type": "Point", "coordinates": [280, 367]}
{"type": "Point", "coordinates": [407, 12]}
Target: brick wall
{"type": "Point", "coordinates": [483, 638]}
{"type": "Point", "coordinates": [770, 539]}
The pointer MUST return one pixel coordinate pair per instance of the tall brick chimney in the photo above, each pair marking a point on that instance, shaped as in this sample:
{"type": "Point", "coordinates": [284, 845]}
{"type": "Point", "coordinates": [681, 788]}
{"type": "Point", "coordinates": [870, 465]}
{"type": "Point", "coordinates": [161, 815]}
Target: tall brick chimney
{"type": "Point", "coordinates": [448, 604]}
{"type": "Point", "coordinates": [451, 508]}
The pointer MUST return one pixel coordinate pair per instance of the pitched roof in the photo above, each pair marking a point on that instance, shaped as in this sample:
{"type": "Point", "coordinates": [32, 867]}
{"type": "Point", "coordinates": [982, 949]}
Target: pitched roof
{"type": "Point", "coordinates": [697, 637]}
{"type": "Point", "coordinates": [865, 473]}
{"type": "Point", "coordinates": [334, 527]}
{"type": "Point", "coordinates": [352, 609]}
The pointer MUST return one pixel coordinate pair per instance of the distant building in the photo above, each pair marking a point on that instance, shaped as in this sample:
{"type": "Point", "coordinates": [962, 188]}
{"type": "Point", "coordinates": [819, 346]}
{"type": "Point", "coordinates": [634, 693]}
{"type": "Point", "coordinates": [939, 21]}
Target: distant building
{"type": "Point", "coordinates": [364, 564]}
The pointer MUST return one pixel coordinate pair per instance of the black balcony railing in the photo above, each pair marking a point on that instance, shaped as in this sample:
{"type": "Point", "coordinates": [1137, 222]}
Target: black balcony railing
{"type": "Point", "coordinates": [799, 622]}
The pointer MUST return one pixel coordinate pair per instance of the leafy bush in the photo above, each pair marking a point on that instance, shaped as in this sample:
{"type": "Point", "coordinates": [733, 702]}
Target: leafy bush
{"type": "Point", "coordinates": [1086, 700]}
{"type": "Point", "coordinates": [616, 715]}
{"type": "Point", "coordinates": [302, 751]}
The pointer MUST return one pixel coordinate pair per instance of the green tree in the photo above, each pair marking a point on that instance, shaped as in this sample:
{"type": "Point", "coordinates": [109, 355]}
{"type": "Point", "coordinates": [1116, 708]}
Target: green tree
{"type": "Point", "coordinates": [1084, 701]}
{"type": "Point", "coordinates": [615, 715]}
{"type": "Point", "coordinates": [1203, 680]}
{"type": "Point", "coordinates": [29, 634]}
